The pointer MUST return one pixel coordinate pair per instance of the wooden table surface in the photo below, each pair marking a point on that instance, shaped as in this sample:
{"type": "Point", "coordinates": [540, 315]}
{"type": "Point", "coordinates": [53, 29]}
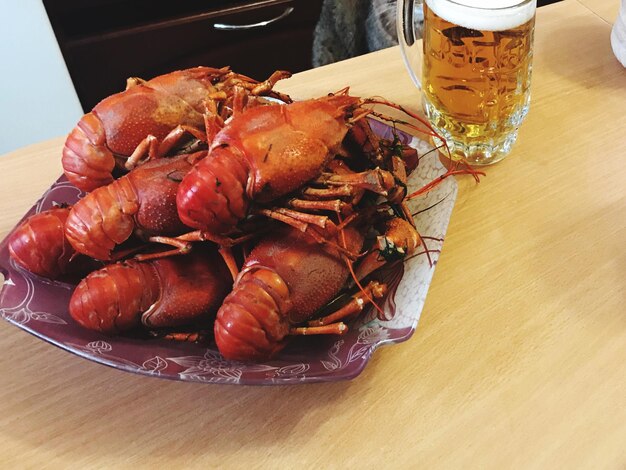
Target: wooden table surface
{"type": "Point", "coordinates": [605, 9]}
{"type": "Point", "coordinates": [519, 360]}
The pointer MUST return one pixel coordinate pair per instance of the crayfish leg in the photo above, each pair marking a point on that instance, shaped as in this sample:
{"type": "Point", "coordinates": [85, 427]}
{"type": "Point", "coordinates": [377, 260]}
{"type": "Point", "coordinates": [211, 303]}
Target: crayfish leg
{"type": "Point", "coordinates": [150, 148]}
{"type": "Point", "coordinates": [180, 248]}
{"type": "Point", "coordinates": [331, 329]}
{"type": "Point", "coordinates": [328, 193]}
{"type": "Point", "coordinates": [377, 181]}
{"type": "Point", "coordinates": [183, 337]}
{"type": "Point", "coordinates": [266, 87]}
{"type": "Point", "coordinates": [147, 146]}
{"type": "Point", "coordinates": [333, 205]}
{"type": "Point", "coordinates": [184, 247]}
{"type": "Point", "coordinates": [176, 135]}
{"type": "Point", "coordinates": [399, 241]}
{"type": "Point", "coordinates": [298, 220]}
{"type": "Point", "coordinates": [319, 228]}
{"type": "Point", "coordinates": [227, 255]}
{"type": "Point", "coordinates": [374, 290]}
{"type": "Point", "coordinates": [240, 98]}
{"type": "Point", "coordinates": [134, 81]}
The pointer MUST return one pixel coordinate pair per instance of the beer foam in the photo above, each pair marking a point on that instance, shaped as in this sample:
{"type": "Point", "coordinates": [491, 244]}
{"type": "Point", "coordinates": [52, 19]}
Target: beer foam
{"type": "Point", "coordinates": [485, 15]}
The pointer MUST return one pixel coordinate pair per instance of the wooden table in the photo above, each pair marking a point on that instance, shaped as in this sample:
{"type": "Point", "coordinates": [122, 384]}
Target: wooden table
{"type": "Point", "coordinates": [604, 9]}
{"type": "Point", "coordinates": [519, 360]}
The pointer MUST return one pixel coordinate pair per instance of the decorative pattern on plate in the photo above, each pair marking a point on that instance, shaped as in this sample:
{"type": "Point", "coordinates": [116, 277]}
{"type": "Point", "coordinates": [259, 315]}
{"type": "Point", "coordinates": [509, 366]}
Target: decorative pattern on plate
{"type": "Point", "coordinates": [40, 307]}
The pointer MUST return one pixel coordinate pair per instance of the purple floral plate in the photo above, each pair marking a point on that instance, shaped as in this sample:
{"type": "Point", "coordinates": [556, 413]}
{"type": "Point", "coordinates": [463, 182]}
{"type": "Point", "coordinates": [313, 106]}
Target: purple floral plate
{"type": "Point", "coordinates": [40, 307]}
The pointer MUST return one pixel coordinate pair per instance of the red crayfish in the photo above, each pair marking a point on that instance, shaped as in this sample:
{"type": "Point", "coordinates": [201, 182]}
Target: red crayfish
{"type": "Point", "coordinates": [167, 292]}
{"type": "Point", "coordinates": [151, 117]}
{"type": "Point", "coordinates": [39, 245]}
{"type": "Point", "coordinates": [287, 278]}
{"type": "Point", "coordinates": [268, 152]}
{"type": "Point", "coordinates": [314, 166]}
{"type": "Point", "coordinates": [142, 202]}
{"type": "Point", "coordinates": [265, 153]}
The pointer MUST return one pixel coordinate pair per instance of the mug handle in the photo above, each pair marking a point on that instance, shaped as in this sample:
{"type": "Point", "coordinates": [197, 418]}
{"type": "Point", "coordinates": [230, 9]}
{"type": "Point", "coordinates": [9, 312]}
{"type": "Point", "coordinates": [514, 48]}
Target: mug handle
{"type": "Point", "coordinates": [407, 38]}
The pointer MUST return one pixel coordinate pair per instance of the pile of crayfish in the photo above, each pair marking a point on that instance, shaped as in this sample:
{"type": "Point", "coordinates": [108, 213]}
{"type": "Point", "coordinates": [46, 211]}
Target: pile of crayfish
{"type": "Point", "coordinates": [214, 202]}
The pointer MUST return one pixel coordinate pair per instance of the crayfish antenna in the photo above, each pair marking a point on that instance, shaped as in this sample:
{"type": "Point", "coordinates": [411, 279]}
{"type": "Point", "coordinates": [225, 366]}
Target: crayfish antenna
{"type": "Point", "coordinates": [470, 170]}
{"type": "Point", "coordinates": [344, 91]}
{"type": "Point", "coordinates": [428, 130]}
{"type": "Point", "coordinates": [450, 172]}
{"type": "Point", "coordinates": [415, 214]}
{"type": "Point", "coordinates": [427, 251]}
{"type": "Point", "coordinates": [432, 150]}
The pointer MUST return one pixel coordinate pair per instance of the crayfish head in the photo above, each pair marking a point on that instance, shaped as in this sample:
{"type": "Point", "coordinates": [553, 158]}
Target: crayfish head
{"type": "Point", "coordinates": [399, 241]}
{"type": "Point", "coordinates": [389, 251]}
{"type": "Point", "coordinates": [400, 237]}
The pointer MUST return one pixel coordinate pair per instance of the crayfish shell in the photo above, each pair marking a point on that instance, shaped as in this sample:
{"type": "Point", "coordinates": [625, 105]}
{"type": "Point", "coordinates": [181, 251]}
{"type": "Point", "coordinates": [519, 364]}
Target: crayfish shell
{"type": "Point", "coordinates": [167, 292]}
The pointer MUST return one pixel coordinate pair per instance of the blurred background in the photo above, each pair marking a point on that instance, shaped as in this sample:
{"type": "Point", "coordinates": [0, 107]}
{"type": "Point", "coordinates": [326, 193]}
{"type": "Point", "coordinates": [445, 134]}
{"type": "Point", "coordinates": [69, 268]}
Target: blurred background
{"type": "Point", "coordinates": [60, 57]}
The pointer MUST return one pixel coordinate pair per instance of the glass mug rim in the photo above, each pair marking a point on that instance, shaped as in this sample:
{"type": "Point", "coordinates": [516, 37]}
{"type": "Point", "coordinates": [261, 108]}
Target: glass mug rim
{"type": "Point", "coordinates": [478, 7]}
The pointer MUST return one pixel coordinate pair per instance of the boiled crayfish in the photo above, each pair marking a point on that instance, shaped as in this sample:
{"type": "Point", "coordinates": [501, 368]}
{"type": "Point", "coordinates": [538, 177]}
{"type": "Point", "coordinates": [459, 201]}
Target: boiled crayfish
{"type": "Point", "coordinates": [151, 117]}
{"type": "Point", "coordinates": [304, 201]}
{"type": "Point", "coordinates": [40, 246]}
{"type": "Point", "coordinates": [269, 152]}
{"type": "Point", "coordinates": [166, 292]}
{"type": "Point", "coordinates": [285, 280]}
{"type": "Point", "coordinates": [141, 202]}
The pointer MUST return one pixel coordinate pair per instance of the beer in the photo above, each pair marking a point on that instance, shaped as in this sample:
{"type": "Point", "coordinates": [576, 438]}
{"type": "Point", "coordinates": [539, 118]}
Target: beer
{"type": "Point", "coordinates": [476, 74]}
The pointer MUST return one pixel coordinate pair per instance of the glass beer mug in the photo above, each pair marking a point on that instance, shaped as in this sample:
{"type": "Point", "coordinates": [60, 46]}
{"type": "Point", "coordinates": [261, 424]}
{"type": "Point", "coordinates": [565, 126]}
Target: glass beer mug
{"type": "Point", "coordinates": [473, 68]}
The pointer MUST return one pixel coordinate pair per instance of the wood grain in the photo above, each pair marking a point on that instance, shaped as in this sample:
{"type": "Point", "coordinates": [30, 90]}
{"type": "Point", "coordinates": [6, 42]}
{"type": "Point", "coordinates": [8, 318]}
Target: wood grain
{"type": "Point", "coordinates": [519, 360]}
{"type": "Point", "coordinates": [607, 10]}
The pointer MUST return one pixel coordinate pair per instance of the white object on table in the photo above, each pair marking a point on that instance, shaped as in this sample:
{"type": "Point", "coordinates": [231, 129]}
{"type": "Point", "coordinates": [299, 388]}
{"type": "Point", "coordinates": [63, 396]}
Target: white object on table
{"type": "Point", "coordinates": [618, 35]}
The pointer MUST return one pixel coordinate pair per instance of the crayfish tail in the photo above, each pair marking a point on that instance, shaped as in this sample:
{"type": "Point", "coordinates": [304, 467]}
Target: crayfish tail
{"type": "Point", "coordinates": [112, 299]}
{"type": "Point", "coordinates": [87, 162]}
{"type": "Point", "coordinates": [102, 220]}
{"type": "Point", "coordinates": [251, 324]}
{"type": "Point", "coordinates": [212, 196]}
{"type": "Point", "coordinates": [39, 244]}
